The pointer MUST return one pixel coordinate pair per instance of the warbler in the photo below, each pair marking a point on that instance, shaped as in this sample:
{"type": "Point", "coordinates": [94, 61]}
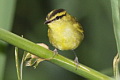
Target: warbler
{"type": "Point", "coordinates": [64, 31]}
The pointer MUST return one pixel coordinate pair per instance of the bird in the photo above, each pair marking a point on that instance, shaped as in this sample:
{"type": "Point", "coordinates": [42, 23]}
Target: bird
{"type": "Point", "coordinates": [64, 31]}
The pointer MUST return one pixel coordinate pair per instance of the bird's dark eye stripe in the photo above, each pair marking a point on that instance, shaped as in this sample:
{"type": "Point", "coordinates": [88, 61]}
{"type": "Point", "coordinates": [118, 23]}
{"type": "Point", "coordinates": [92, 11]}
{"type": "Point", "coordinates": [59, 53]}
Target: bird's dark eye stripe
{"type": "Point", "coordinates": [55, 12]}
{"type": "Point", "coordinates": [58, 17]}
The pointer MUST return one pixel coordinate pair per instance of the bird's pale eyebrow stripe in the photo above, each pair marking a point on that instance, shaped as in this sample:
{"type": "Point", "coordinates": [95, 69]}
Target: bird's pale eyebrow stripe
{"type": "Point", "coordinates": [55, 12]}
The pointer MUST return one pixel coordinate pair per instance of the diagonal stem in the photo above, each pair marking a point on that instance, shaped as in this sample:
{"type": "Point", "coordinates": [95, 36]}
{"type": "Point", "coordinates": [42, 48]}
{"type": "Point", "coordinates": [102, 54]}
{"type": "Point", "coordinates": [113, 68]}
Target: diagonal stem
{"type": "Point", "coordinates": [59, 60]}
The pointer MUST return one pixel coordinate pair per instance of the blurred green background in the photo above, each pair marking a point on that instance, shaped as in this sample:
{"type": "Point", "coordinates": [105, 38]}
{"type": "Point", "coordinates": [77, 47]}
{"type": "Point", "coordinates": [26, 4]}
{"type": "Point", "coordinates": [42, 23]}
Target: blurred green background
{"type": "Point", "coordinates": [26, 17]}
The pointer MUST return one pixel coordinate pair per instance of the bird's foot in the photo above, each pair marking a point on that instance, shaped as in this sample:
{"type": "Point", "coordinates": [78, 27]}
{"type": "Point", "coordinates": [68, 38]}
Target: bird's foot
{"type": "Point", "coordinates": [55, 52]}
{"type": "Point", "coordinates": [76, 62]}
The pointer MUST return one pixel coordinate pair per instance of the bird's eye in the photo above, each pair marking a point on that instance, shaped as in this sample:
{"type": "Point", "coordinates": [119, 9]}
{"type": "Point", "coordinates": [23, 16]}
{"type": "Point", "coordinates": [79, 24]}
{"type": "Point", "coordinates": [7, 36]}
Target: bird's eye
{"type": "Point", "coordinates": [57, 17]}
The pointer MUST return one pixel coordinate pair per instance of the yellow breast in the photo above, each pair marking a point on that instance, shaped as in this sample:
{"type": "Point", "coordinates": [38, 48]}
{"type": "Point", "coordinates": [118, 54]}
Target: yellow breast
{"type": "Point", "coordinates": [64, 34]}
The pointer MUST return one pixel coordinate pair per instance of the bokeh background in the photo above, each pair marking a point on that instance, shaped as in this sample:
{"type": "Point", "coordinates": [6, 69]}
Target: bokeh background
{"type": "Point", "coordinates": [26, 17]}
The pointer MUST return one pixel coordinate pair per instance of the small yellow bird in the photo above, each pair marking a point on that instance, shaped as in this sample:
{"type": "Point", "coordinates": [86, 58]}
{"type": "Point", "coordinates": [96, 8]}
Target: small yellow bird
{"type": "Point", "coordinates": [64, 32]}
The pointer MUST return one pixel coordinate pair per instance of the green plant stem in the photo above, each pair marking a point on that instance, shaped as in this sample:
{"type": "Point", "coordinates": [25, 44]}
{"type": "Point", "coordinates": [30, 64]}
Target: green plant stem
{"type": "Point", "coordinates": [45, 53]}
{"type": "Point", "coordinates": [116, 26]}
{"type": "Point", "coordinates": [17, 64]}
{"type": "Point", "coordinates": [116, 22]}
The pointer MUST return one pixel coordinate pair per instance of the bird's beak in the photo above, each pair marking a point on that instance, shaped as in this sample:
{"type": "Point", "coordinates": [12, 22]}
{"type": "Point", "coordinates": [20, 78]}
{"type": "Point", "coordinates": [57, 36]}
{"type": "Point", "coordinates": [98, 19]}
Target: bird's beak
{"type": "Point", "coordinates": [47, 21]}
